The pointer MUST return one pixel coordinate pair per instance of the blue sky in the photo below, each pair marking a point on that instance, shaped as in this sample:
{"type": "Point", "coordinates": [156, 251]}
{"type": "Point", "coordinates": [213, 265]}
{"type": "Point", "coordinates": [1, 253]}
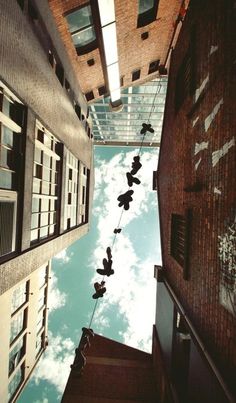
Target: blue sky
{"type": "Point", "coordinates": [126, 313]}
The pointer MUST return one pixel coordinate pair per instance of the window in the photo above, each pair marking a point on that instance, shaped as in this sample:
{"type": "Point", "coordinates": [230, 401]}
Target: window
{"type": "Point", "coordinates": [8, 208]}
{"type": "Point", "coordinates": [19, 296]}
{"type": "Point", "coordinates": [82, 30]}
{"type": "Point", "coordinates": [40, 321]}
{"type": "Point", "coordinates": [12, 117]}
{"type": "Point", "coordinates": [89, 96]}
{"type": "Point", "coordinates": [84, 176]}
{"type": "Point", "coordinates": [180, 226]}
{"type": "Point", "coordinates": [15, 382]}
{"type": "Point", "coordinates": [11, 122]}
{"type": "Point", "coordinates": [16, 355]}
{"type": "Point", "coordinates": [153, 66]}
{"type": "Point", "coordinates": [39, 343]}
{"type": "Point", "coordinates": [135, 75]}
{"type": "Point", "coordinates": [42, 276]}
{"type": "Point", "coordinates": [185, 80]}
{"type": "Point", "coordinates": [47, 168]}
{"type": "Point", "coordinates": [18, 323]}
{"type": "Point", "coordinates": [71, 194]}
{"type": "Point", "coordinates": [78, 110]}
{"type": "Point", "coordinates": [147, 11]}
{"type": "Point", "coordinates": [60, 73]}
{"type": "Point", "coordinates": [42, 298]}
{"type": "Point", "coordinates": [90, 62]}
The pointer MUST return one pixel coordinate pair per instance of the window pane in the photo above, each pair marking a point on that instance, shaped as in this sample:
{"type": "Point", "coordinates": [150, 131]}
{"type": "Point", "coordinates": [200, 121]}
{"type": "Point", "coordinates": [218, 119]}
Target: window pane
{"type": "Point", "coordinates": [44, 204]}
{"type": "Point", "coordinates": [145, 5]}
{"type": "Point", "coordinates": [15, 382]}
{"type": "Point", "coordinates": [80, 19]}
{"type": "Point", "coordinates": [35, 205]}
{"type": "Point", "coordinates": [43, 232]}
{"type": "Point", "coordinates": [37, 155]}
{"type": "Point", "coordinates": [36, 185]}
{"type": "Point", "coordinates": [15, 356]}
{"type": "Point", "coordinates": [34, 235]}
{"type": "Point", "coordinates": [84, 37]}
{"type": "Point", "coordinates": [35, 221]}
{"type": "Point", "coordinates": [6, 158]}
{"type": "Point", "coordinates": [7, 136]}
{"type": "Point", "coordinates": [19, 296]}
{"type": "Point", "coordinates": [44, 219]}
{"type": "Point", "coordinates": [42, 276]}
{"type": "Point", "coordinates": [16, 326]}
{"type": "Point", "coordinates": [6, 179]}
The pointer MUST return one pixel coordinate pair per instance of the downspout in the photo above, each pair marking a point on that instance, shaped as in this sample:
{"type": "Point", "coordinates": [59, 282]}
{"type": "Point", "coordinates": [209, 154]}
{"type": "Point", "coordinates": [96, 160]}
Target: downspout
{"type": "Point", "coordinates": [200, 343]}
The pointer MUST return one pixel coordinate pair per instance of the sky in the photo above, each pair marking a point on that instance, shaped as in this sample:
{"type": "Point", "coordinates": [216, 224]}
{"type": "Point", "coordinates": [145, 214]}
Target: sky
{"type": "Point", "coordinates": [126, 312]}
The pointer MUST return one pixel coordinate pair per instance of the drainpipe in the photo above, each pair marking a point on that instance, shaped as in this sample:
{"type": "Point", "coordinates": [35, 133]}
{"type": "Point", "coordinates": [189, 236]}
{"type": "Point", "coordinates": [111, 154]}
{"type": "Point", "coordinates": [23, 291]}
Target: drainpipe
{"type": "Point", "coordinates": [181, 16]}
{"type": "Point", "coordinates": [200, 343]}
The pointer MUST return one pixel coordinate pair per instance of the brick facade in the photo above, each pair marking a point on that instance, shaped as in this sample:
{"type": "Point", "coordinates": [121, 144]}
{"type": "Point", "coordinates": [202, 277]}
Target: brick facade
{"type": "Point", "coordinates": [197, 172]}
{"type": "Point", "coordinates": [115, 373]}
{"type": "Point", "coordinates": [134, 53]}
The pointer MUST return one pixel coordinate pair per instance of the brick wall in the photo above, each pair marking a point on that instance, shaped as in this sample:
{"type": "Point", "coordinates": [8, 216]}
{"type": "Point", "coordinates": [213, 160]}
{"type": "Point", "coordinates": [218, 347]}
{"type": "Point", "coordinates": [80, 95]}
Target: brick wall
{"type": "Point", "coordinates": [191, 138]}
{"type": "Point", "coordinates": [115, 373]}
{"type": "Point", "coordinates": [133, 52]}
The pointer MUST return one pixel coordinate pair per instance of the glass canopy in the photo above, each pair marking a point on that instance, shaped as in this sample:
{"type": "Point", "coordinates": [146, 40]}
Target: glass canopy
{"type": "Point", "coordinates": [142, 104]}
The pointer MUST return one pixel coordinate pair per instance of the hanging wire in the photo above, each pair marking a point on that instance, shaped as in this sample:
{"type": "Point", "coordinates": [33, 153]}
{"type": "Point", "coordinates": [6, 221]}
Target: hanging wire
{"type": "Point", "coordinates": [114, 238]}
{"type": "Point", "coordinates": [94, 310]}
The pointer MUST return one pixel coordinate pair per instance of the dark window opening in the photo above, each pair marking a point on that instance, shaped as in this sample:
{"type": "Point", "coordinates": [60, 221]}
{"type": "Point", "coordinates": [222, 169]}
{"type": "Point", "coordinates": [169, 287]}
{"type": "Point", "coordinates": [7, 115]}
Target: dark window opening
{"type": "Point", "coordinates": [185, 80]}
{"type": "Point", "coordinates": [21, 4]}
{"type": "Point", "coordinates": [60, 73]}
{"type": "Point", "coordinates": [68, 223]}
{"type": "Point", "coordinates": [144, 35]}
{"type": "Point", "coordinates": [40, 136]}
{"type": "Point", "coordinates": [90, 62]}
{"type": "Point", "coordinates": [179, 247]}
{"type": "Point", "coordinates": [89, 96]}
{"type": "Point", "coordinates": [69, 198]}
{"type": "Point", "coordinates": [32, 11]}
{"type": "Point", "coordinates": [38, 171]}
{"type": "Point", "coordinates": [78, 110]}
{"type": "Point", "coordinates": [122, 81]}
{"type": "Point", "coordinates": [51, 58]}
{"type": "Point", "coordinates": [147, 11]}
{"type": "Point", "coordinates": [83, 195]}
{"type": "Point", "coordinates": [87, 196]}
{"type": "Point", "coordinates": [153, 66]}
{"type": "Point", "coordinates": [102, 90]}
{"type": "Point", "coordinates": [67, 85]}
{"type": "Point", "coordinates": [70, 173]}
{"type": "Point", "coordinates": [136, 75]}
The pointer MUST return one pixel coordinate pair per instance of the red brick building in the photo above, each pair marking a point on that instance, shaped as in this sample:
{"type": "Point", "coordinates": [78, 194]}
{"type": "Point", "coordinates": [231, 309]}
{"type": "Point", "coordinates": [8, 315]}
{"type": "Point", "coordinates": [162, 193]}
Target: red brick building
{"type": "Point", "coordinates": [144, 32]}
{"type": "Point", "coordinates": [115, 373]}
{"type": "Point", "coordinates": [196, 300]}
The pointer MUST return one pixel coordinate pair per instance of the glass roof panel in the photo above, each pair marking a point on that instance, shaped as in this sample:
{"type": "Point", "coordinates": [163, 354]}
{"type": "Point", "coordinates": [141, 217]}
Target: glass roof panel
{"type": "Point", "coordinates": [142, 104]}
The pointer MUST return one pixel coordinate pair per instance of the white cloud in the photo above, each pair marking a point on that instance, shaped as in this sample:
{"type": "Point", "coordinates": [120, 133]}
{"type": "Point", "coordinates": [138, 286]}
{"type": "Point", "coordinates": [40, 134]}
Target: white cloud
{"type": "Point", "coordinates": [111, 182]}
{"type": "Point", "coordinates": [132, 288]}
{"type": "Point", "coordinates": [56, 298]}
{"type": "Point", "coordinates": [63, 256]}
{"type": "Point", "coordinates": [54, 365]}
